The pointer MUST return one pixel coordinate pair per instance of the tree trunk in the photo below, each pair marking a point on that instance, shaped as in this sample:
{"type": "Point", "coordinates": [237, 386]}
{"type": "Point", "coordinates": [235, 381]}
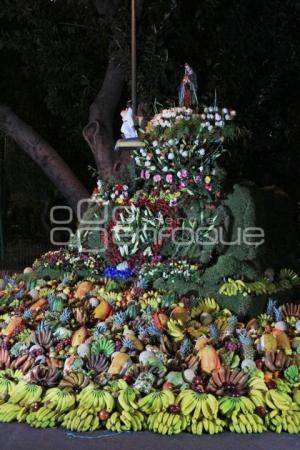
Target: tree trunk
{"type": "Point", "coordinates": [99, 131]}
{"type": "Point", "coordinates": [44, 155]}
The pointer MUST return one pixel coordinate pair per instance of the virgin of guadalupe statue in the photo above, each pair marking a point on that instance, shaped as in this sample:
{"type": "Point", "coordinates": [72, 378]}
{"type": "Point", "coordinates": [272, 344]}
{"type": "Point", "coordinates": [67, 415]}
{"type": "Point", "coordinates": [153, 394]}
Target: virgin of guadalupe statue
{"type": "Point", "coordinates": [128, 129]}
{"type": "Point", "coordinates": [188, 88]}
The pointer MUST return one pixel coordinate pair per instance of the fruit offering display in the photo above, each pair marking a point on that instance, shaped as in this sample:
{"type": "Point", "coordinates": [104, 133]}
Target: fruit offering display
{"type": "Point", "coordinates": [87, 355]}
{"type": "Point", "coordinates": [151, 321]}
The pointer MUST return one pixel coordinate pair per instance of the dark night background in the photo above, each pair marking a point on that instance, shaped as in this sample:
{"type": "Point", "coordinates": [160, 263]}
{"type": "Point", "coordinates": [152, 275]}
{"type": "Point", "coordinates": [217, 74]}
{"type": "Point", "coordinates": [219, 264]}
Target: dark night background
{"type": "Point", "coordinates": [53, 59]}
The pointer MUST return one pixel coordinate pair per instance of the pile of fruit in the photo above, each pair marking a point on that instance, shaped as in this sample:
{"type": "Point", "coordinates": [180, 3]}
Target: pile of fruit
{"type": "Point", "coordinates": [108, 354]}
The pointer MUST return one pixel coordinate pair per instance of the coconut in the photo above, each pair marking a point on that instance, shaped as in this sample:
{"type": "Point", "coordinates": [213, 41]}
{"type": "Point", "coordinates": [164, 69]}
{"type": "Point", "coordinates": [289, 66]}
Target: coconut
{"type": "Point", "coordinates": [281, 325]}
{"type": "Point", "coordinates": [248, 363]}
{"type": "Point", "coordinates": [83, 350]}
{"type": "Point", "coordinates": [93, 301]}
{"type": "Point", "coordinates": [189, 375]}
{"type": "Point", "coordinates": [144, 356]}
{"type": "Point", "coordinates": [34, 294]}
{"type": "Point", "coordinates": [206, 318]}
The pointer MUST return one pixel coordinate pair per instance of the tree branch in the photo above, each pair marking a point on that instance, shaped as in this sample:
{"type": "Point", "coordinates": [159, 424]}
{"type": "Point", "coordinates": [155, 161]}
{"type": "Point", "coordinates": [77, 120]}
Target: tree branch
{"type": "Point", "coordinates": [44, 155]}
{"type": "Point", "coordinates": [99, 131]}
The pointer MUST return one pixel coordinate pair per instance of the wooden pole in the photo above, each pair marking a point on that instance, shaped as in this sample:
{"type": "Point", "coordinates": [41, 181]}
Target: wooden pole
{"type": "Point", "coordinates": [133, 56]}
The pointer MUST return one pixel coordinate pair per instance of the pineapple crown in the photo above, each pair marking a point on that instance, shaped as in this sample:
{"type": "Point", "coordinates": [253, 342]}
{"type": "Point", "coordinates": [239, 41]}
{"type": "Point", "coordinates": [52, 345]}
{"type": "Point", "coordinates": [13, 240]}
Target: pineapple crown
{"type": "Point", "coordinates": [100, 329]}
{"type": "Point", "coordinates": [152, 330]}
{"type": "Point", "coordinates": [65, 315]}
{"type": "Point", "coordinates": [244, 337]}
{"type": "Point", "coordinates": [271, 306]}
{"type": "Point", "coordinates": [278, 314]}
{"type": "Point", "coordinates": [185, 346]}
{"type": "Point", "coordinates": [232, 321]}
{"type": "Point", "coordinates": [128, 344]}
{"type": "Point", "coordinates": [27, 314]}
{"type": "Point", "coordinates": [214, 332]}
{"type": "Point", "coordinates": [119, 318]}
{"type": "Point", "coordinates": [142, 331]}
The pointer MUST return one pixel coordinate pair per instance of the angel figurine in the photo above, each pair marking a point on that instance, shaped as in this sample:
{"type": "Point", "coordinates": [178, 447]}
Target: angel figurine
{"type": "Point", "coordinates": [128, 129]}
{"type": "Point", "coordinates": [188, 88]}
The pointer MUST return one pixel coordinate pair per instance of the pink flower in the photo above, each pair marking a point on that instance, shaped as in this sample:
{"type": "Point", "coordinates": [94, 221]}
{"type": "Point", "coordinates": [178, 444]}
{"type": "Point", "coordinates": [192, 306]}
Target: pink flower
{"type": "Point", "coordinates": [147, 174]}
{"type": "Point", "coordinates": [156, 178]}
{"type": "Point", "coordinates": [184, 173]}
{"type": "Point", "coordinates": [169, 178]}
{"type": "Point", "coordinates": [142, 174]}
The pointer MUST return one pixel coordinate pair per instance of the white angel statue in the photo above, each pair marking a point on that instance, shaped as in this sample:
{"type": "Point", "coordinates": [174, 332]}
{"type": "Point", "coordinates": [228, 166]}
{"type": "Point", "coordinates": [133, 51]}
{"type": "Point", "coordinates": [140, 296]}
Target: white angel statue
{"type": "Point", "coordinates": [128, 129]}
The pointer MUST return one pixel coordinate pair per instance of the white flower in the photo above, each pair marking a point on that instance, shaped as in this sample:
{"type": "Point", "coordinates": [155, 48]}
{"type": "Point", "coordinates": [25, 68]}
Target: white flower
{"type": "Point", "coordinates": [154, 143]}
{"type": "Point", "coordinates": [165, 169]}
{"type": "Point", "coordinates": [233, 113]}
{"type": "Point", "coordinates": [210, 128]}
{"type": "Point", "coordinates": [217, 116]}
{"type": "Point", "coordinates": [184, 153]}
{"type": "Point", "coordinates": [211, 109]}
{"type": "Point", "coordinates": [171, 141]}
{"type": "Point", "coordinates": [112, 196]}
{"type": "Point", "coordinates": [203, 116]}
{"type": "Point", "coordinates": [157, 151]}
{"type": "Point", "coordinates": [201, 168]}
{"type": "Point", "coordinates": [227, 117]}
{"type": "Point", "coordinates": [221, 123]}
{"type": "Point", "coordinates": [171, 156]}
{"type": "Point", "coordinates": [147, 163]}
{"type": "Point", "coordinates": [202, 151]}
{"type": "Point", "coordinates": [205, 110]}
{"type": "Point", "coordinates": [99, 184]}
{"type": "Point", "coordinates": [225, 110]}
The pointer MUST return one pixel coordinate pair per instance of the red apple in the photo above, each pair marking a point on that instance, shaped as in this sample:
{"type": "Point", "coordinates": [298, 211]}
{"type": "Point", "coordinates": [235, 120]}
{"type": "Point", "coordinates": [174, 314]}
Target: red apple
{"type": "Point", "coordinates": [103, 414]}
{"type": "Point", "coordinates": [167, 385]}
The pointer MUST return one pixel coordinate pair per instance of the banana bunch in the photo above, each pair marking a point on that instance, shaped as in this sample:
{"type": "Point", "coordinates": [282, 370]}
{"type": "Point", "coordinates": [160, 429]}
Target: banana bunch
{"type": "Point", "coordinates": [117, 385]}
{"type": "Point", "coordinates": [246, 423]}
{"type": "Point", "coordinates": [275, 399]}
{"type": "Point", "coordinates": [201, 405]}
{"type": "Point", "coordinates": [9, 412]}
{"type": "Point", "coordinates": [59, 400]}
{"type": "Point", "coordinates": [211, 426]}
{"type": "Point", "coordinates": [127, 399]}
{"type": "Point", "coordinates": [257, 387]}
{"type": "Point", "coordinates": [125, 421]}
{"type": "Point", "coordinates": [81, 419]}
{"type": "Point", "coordinates": [175, 329]}
{"type": "Point", "coordinates": [6, 386]}
{"type": "Point", "coordinates": [167, 423]}
{"type": "Point", "coordinates": [230, 405]}
{"type": "Point", "coordinates": [95, 399]}
{"type": "Point", "coordinates": [157, 401]}
{"type": "Point", "coordinates": [279, 421]}
{"type": "Point", "coordinates": [207, 304]}
{"type": "Point", "coordinates": [74, 379]}
{"type": "Point", "coordinates": [25, 394]}
{"type": "Point", "coordinates": [233, 287]}
{"type": "Point", "coordinates": [42, 418]}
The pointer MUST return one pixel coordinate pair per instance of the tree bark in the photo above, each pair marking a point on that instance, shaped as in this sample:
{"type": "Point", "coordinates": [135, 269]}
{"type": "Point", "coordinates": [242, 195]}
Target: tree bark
{"type": "Point", "coordinates": [44, 155]}
{"type": "Point", "coordinates": [99, 131]}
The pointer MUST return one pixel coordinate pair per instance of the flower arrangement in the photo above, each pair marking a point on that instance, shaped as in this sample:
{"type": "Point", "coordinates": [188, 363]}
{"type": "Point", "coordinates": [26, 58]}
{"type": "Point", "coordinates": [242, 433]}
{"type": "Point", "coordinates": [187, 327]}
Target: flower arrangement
{"type": "Point", "coordinates": [108, 193]}
{"type": "Point", "coordinates": [69, 260]}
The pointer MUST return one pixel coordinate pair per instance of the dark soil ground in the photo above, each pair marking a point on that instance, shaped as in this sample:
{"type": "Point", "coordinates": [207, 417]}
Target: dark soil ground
{"type": "Point", "coordinates": [16, 436]}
